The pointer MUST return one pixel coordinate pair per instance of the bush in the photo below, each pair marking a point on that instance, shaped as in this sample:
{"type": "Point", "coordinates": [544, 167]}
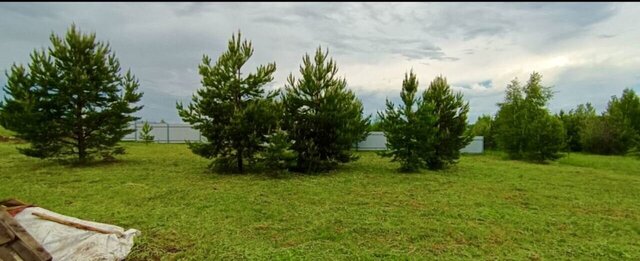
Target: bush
{"type": "Point", "coordinates": [617, 131]}
{"type": "Point", "coordinates": [574, 123]}
{"type": "Point", "coordinates": [602, 135]}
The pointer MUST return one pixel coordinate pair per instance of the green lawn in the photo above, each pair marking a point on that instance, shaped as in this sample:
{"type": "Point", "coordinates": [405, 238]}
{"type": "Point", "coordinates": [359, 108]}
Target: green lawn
{"type": "Point", "coordinates": [5, 133]}
{"type": "Point", "coordinates": [581, 207]}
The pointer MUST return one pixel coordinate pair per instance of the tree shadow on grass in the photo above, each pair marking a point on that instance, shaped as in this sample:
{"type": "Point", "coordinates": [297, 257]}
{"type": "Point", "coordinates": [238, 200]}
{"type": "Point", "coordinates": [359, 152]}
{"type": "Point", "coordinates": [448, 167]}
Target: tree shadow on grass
{"type": "Point", "coordinates": [40, 164]}
{"type": "Point", "coordinates": [267, 174]}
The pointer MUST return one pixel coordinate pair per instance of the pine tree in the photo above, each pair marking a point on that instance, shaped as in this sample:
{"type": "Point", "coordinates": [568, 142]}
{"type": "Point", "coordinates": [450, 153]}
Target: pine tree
{"type": "Point", "coordinates": [145, 133]}
{"type": "Point", "coordinates": [72, 102]}
{"type": "Point", "coordinates": [277, 155]}
{"type": "Point", "coordinates": [524, 127]}
{"type": "Point", "coordinates": [231, 111]}
{"type": "Point", "coordinates": [410, 129]}
{"type": "Point", "coordinates": [451, 114]}
{"type": "Point", "coordinates": [322, 117]}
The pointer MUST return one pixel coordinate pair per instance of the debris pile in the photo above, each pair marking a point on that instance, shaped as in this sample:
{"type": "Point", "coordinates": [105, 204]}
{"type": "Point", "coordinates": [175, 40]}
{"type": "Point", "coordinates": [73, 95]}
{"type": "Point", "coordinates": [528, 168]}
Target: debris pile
{"type": "Point", "coordinates": [28, 232]}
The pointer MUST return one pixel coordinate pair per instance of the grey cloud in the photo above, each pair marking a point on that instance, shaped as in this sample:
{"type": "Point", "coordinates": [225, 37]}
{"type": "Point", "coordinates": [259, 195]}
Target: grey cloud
{"type": "Point", "coordinates": [164, 43]}
{"type": "Point", "coordinates": [30, 10]}
{"type": "Point", "coordinates": [476, 32]}
{"type": "Point", "coordinates": [273, 20]}
{"type": "Point", "coordinates": [544, 23]}
{"type": "Point", "coordinates": [595, 84]}
{"type": "Point", "coordinates": [606, 35]}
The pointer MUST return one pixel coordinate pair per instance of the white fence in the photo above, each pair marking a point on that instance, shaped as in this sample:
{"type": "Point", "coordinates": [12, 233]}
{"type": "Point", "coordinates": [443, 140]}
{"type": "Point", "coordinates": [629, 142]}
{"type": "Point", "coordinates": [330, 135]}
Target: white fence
{"type": "Point", "coordinates": [377, 141]}
{"type": "Point", "coordinates": [179, 133]}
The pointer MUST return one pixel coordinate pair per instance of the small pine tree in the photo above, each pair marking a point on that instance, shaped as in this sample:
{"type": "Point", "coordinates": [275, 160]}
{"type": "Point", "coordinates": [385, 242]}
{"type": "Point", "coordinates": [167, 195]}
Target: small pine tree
{"type": "Point", "coordinates": [277, 155]}
{"type": "Point", "coordinates": [322, 116]}
{"type": "Point", "coordinates": [73, 102]}
{"type": "Point", "coordinates": [524, 127]}
{"type": "Point", "coordinates": [451, 113]}
{"type": "Point", "coordinates": [232, 111]}
{"type": "Point", "coordinates": [145, 133]}
{"type": "Point", "coordinates": [410, 128]}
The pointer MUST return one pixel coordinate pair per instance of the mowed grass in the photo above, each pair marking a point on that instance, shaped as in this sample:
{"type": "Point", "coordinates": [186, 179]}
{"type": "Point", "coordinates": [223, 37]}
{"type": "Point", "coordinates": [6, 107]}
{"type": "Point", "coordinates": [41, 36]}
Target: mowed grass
{"type": "Point", "coordinates": [581, 207]}
{"type": "Point", "coordinates": [5, 133]}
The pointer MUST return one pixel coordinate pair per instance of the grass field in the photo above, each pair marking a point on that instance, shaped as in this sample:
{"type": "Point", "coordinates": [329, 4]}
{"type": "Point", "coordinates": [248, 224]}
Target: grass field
{"type": "Point", "coordinates": [581, 207]}
{"type": "Point", "coordinates": [5, 133]}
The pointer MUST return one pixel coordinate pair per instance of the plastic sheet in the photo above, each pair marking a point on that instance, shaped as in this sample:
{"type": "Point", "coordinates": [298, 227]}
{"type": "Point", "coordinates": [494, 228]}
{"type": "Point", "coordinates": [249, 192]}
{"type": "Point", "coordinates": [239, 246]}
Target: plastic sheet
{"type": "Point", "coordinates": [66, 242]}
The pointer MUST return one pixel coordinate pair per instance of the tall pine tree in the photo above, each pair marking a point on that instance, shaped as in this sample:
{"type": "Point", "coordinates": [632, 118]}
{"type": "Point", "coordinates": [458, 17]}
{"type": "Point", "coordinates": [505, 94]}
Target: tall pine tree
{"type": "Point", "coordinates": [72, 101]}
{"type": "Point", "coordinates": [323, 118]}
{"type": "Point", "coordinates": [410, 128]}
{"type": "Point", "coordinates": [451, 114]}
{"type": "Point", "coordinates": [231, 110]}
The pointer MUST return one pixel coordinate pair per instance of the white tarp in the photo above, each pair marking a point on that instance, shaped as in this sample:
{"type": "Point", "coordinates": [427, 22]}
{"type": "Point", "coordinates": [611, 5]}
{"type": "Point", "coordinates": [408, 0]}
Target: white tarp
{"type": "Point", "coordinates": [65, 242]}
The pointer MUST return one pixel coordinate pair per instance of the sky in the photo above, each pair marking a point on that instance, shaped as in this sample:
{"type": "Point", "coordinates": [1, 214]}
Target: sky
{"type": "Point", "coordinates": [587, 52]}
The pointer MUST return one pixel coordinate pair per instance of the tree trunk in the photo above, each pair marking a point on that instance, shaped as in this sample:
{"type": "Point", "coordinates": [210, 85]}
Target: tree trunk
{"type": "Point", "coordinates": [82, 150]}
{"type": "Point", "coordinates": [239, 157]}
{"type": "Point", "coordinates": [80, 135]}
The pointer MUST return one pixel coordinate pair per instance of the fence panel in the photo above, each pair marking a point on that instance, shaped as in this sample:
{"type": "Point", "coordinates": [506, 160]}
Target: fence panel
{"type": "Point", "coordinates": [375, 141]}
{"type": "Point", "coordinates": [179, 133]}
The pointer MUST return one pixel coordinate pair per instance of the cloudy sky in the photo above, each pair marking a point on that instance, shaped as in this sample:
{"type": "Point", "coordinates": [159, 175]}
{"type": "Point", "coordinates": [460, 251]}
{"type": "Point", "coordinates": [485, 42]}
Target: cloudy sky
{"type": "Point", "coordinates": [586, 51]}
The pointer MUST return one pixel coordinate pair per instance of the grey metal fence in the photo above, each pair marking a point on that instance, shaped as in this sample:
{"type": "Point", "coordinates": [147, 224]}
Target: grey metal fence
{"type": "Point", "coordinates": [180, 133]}
{"type": "Point", "coordinates": [377, 141]}
{"type": "Point", "coordinates": [166, 132]}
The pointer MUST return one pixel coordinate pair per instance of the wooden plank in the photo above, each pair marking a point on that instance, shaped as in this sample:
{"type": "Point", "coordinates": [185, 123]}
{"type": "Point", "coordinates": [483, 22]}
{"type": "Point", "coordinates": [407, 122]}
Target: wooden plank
{"type": "Point", "coordinates": [6, 235]}
{"type": "Point", "coordinates": [24, 244]}
{"type": "Point", "coordinates": [7, 254]}
{"type": "Point", "coordinates": [26, 252]}
{"type": "Point", "coordinates": [76, 225]}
